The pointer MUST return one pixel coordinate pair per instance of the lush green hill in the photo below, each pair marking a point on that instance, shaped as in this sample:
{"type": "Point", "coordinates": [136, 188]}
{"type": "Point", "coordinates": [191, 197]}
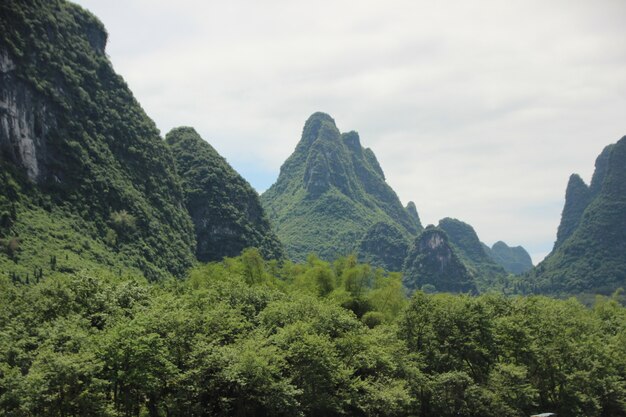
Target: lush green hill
{"type": "Point", "coordinates": [433, 264]}
{"type": "Point", "coordinates": [385, 246]}
{"type": "Point", "coordinates": [75, 143]}
{"type": "Point", "coordinates": [329, 193]}
{"type": "Point", "coordinates": [464, 239]}
{"type": "Point", "coordinates": [225, 209]}
{"type": "Point", "coordinates": [590, 255]}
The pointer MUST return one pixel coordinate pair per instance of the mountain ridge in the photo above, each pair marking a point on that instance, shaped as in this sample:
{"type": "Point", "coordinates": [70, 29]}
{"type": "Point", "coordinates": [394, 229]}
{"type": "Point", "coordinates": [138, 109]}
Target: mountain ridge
{"type": "Point", "coordinates": [329, 192]}
{"type": "Point", "coordinates": [590, 258]}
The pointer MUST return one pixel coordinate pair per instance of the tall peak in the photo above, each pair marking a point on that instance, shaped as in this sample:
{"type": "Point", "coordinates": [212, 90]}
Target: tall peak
{"type": "Point", "coordinates": [330, 192]}
{"type": "Point", "coordinates": [317, 125]}
{"type": "Point", "coordinates": [602, 166]}
{"type": "Point", "coordinates": [412, 212]}
{"type": "Point", "coordinates": [577, 198]}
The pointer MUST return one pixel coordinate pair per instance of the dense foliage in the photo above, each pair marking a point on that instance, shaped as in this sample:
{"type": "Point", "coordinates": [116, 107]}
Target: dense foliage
{"type": "Point", "coordinates": [591, 257]}
{"type": "Point", "coordinates": [246, 337]}
{"type": "Point", "coordinates": [84, 140]}
{"type": "Point", "coordinates": [330, 191]}
{"type": "Point", "coordinates": [92, 211]}
{"type": "Point", "coordinates": [384, 246]}
{"type": "Point", "coordinates": [225, 209]}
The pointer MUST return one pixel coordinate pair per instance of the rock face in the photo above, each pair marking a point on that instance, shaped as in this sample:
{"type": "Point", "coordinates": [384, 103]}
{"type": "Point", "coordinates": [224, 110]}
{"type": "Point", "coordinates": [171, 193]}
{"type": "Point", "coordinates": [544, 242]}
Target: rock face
{"type": "Point", "coordinates": [71, 131]}
{"type": "Point", "coordinates": [24, 119]}
{"type": "Point", "coordinates": [514, 260]}
{"type": "Point", "coordinates": [329, 193]}
{"type": "Point", "coordinates": [432, 262]}
{"type": "Point", "coordinates": [225, 209]}
{"type": "Point", "coordinates": [471, 251]}
{"type": "Point", "coordinates": [590, 254]}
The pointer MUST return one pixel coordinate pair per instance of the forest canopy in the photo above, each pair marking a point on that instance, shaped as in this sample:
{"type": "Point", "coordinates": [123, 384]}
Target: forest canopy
{"type": "Point", "coordinates": [250, 337]}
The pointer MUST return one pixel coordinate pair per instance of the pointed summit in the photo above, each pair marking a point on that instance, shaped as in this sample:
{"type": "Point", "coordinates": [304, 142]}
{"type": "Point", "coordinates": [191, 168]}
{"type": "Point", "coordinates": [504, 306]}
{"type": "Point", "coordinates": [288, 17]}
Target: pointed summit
{"type": "Point", "coordinates": [577, 198]}
{"type": "Point", "coordinates": [225, 209]}
{"type": "Point", "coordinates": [412, 211]}
{"type": "Point", "coordinates": [602, 166]}
{"type": "Point", "coordinates": [589, 255]}
{"type": "Point", "coordinates": [330, 192]}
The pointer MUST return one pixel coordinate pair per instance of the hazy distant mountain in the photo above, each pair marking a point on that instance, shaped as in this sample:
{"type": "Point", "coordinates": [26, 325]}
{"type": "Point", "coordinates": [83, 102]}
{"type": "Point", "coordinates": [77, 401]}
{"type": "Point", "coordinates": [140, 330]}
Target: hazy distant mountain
{"type": "Point", "coordinates": [331, 192]}
{"type": "Point", "coordinates": [225, 209]}
{"type": "Point", "coordinates": [514, 260]}
{"type": "Point", "coordinates": [590, 252]}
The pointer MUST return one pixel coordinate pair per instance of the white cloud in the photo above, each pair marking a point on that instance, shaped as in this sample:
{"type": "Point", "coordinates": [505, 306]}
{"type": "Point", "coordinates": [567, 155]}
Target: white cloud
{"type": "Point", "coordinates": [476, 109]}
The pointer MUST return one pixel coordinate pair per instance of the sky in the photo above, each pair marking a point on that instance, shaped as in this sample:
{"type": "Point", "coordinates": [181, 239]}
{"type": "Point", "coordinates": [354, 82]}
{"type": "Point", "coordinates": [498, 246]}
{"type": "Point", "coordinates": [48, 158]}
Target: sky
{"type": "Point", "coordinates": [476, 109]}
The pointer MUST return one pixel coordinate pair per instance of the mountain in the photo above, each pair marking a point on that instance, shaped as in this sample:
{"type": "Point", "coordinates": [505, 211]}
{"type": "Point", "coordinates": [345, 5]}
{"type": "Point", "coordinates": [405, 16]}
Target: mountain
{"type": "Point", "coordinates": [330, 192]}
{"type": "Point", "coordinates": [577, 198]}
{"type": "Point", "coordinates": [412, 211]}
{"type": "Point", "coordinates": [225, 209]}
{"type": "Point", "coordinates": [433, 264]}
{"type": "Point", "coordinates": [514, 260]}
{"type": "Point", "coordinates": [384, 245]}
{"type": "Point", "coordinates": [465, 241]}
{"type": "Point", "coordinates": [589, 255]}
{"type": "Point", "coordinates": [77, 148]}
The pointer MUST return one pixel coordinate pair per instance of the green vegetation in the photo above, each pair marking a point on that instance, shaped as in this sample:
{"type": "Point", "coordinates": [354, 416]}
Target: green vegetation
{"type": "Point", "coordinates": [412, 211]}
{"type": "Point", "coordinates": [96, 156]}
{"type": "Point", "coordinates": [225, 209]}
{"type": "Point", "coordinates": [329, 193]}
{"type": "Point", "coordinates": [247, 337]}
{"type": "Point", "coordinates": [487, 273]}
{"type": "Point", "coordinates": [433, 265]}
{"type": "Point", "coordinates": [103, 313]}
{"type": "Point", "coordinates": [384, 246]}
{"type": "Point", "coordinates": [590, 259]}
{"type": "Point", "coordinates": [577, 198]}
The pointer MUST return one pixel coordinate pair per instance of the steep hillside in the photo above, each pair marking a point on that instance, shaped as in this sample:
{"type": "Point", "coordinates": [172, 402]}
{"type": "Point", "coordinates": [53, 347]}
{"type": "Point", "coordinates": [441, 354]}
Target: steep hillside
{"type": "Point", "coordinates": [384, 245]}
{"type": "Point", "coordinates": [412, 210]}
{"type": "Point", "coordinates": [225, 209]}
{"type": "Point", "coordinates": [465, 241]}
{"type": "Point", "coordinates": [329, 193]}
{"type": "Point", "coordinates": [433, 264]}
{"type": "Point", "coordinates": [590, 255]}
{"type": "Point", "coordinates": [76, 147]}
{"type": "Point", "coordinates": [514, 260]}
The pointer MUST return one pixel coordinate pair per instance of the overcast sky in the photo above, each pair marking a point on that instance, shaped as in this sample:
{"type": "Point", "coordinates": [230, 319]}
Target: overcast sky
{"type": "Point", "coordinates": [478, 110]}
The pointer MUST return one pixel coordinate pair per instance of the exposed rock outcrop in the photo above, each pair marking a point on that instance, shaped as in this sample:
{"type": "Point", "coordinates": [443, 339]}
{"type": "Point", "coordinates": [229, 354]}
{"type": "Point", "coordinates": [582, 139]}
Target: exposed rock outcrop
{"type": "Point", "coordinates": [433, 264]}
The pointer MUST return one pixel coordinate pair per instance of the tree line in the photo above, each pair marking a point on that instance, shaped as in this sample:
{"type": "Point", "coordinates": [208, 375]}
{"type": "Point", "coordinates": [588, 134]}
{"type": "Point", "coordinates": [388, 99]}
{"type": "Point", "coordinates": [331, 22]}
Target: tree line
{"type": "Point", "coordinates": [248, 337]}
